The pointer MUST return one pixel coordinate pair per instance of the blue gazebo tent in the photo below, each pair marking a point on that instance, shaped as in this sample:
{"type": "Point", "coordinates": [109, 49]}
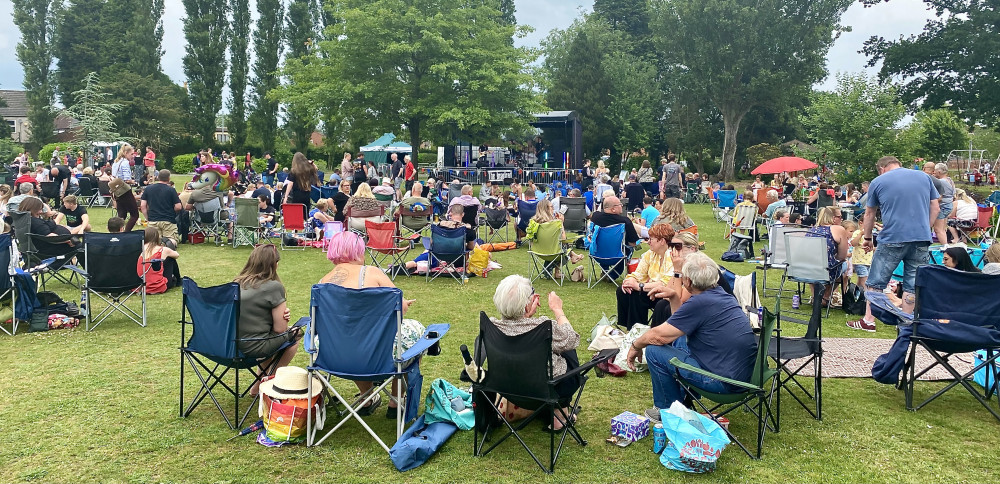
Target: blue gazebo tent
{"type": "Point", "coordinates": [379, 150]}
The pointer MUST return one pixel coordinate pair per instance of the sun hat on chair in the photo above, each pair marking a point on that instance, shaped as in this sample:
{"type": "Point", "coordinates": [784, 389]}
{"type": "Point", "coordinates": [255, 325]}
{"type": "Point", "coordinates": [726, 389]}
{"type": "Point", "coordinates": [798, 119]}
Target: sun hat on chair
{"type": "Point", "coordinates": [291, 382]}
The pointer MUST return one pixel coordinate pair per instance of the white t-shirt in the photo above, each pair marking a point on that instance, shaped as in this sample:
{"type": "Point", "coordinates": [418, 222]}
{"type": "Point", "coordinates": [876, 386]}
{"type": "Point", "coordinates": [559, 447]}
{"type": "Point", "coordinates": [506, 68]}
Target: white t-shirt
{"type": "Point", "coordinates": [965, 210]}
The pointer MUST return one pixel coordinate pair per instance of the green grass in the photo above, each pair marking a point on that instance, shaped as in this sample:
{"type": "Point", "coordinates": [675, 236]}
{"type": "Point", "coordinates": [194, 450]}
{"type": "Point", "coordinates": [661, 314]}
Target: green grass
{"type": "Point", "coordinates": [103, 406]}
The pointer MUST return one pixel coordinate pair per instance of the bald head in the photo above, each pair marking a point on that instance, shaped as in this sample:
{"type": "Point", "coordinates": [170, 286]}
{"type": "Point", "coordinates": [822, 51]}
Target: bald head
{"type": "Point", "coordinates": [611, 205]}
{"type": "Point", "coordinates": [929, 168]}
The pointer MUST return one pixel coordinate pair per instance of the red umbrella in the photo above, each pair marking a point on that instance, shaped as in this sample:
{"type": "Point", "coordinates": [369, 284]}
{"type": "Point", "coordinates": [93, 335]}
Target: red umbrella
{"type": "Point", "coordinates": [784, 163]}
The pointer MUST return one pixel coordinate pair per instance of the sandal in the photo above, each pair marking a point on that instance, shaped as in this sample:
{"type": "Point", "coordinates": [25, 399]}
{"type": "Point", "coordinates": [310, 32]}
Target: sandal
{"type": "Point", "coordinates": [371, 407]}
{"type": "Point", "coordinates": [549, 429]}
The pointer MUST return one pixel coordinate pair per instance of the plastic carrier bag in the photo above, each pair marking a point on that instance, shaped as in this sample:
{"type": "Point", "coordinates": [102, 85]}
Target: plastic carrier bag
{"type": "Point", "coordinates": [696, 441]}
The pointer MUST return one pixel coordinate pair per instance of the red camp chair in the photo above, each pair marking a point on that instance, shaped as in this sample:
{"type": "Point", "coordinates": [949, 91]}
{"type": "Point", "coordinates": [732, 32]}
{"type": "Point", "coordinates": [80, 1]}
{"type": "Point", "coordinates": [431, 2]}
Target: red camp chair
{"type": "Point", "coordinates": [383, 243]}
{"type": "Point", "coordinates": [982, 228]}
{"type": "Point", "coordinates": [293, 219]}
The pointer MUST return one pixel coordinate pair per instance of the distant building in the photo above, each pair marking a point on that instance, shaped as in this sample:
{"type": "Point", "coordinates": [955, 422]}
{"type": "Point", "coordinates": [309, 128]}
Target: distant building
{"type": "Point", "coordinates": [16, 116]}
{"type": "Point", "coordinates": [316, 139]}
{"type": "Point", "coordinates": [222, 135]}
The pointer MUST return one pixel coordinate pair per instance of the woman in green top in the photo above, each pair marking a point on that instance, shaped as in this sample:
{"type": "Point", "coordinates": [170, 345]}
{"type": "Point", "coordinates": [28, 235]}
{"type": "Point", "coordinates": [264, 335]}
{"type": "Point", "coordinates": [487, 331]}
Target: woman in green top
{"type": "Point", "coordinates": [264, 316]}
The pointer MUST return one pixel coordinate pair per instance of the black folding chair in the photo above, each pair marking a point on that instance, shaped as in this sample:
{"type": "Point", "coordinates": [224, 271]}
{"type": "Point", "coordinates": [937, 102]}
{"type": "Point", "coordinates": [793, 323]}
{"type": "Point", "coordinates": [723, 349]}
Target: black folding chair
{"type": "Point", "coordinates": [103, 198]}
{"type": "Point", "coordinates": [111, 274]}
{"type": "Point", "coordinates": [575, 215]}
{"type": "Point", "coordinates": [496, 219]}
{"type": "Point", "coordinates": [962, 319]}
{"type": "Point", "coordinates": [519, 368]}
{"type": "Point", "coordinates": [87, 191]}
{"type": "Point", "coordinates": [45, 255]}
{"type": "Point", "coordinates": [213, 346]}
{"type": "Point", "coordinates": [50, 191]}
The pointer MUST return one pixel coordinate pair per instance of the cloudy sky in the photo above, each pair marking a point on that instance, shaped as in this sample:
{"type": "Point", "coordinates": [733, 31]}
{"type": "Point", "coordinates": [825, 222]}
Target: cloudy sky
{"type": "Point", "coordinates": [889, 20]}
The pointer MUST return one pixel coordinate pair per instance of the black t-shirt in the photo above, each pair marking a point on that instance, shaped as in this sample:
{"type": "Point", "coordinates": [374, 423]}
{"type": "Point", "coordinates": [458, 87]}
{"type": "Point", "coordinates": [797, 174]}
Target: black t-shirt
{"type": "Point", "coordinates": [635, 193]}
{"type": "Point", "coordinates": [160, 201]}
{"type": "Point", "coordinates": [339, 200]}
{"type": "Point", "coordinates": [46, 227]}
{"type": "Point", "coordinates": [397, 167]}
{"type": "Point", "coordinates": [603, 219]}
{"type": "Point", "coordinates": [268, 210]}
{"type": "Point", "coordinates": [272, 165]}
{"type": "Point", "coordinates": [63, 174]}
{"type": "Point", "coordinates": [74, 217]}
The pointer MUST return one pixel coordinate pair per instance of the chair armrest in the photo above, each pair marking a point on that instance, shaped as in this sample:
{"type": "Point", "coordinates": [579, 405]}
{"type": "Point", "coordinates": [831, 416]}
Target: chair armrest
{"type": "Point", "coordinates": [426, 341]}
{"type": "Point", "coordinates": [71, 267]}
{"type": "Point", "coordinates": [601, 357]}
{"type": "Point", "coordinates": [679, 365]}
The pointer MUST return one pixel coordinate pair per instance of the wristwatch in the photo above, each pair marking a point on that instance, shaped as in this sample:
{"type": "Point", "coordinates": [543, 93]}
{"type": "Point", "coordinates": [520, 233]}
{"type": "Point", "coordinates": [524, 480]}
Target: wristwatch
{"type": "Point", "coordinates": [678, 275]}
{"type": "Point", "coordinates": [641, 286]}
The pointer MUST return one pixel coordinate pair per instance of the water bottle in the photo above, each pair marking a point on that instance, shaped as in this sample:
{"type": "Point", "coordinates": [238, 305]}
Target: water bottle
{"type": "Point", "coordinates": [659, 438]}
{"type": "Point", "coordinates": [795, 301]}
{"type": "Point", "coordinates": [83, 303]}
{"type": "Point", "coordinates": [760, 314]}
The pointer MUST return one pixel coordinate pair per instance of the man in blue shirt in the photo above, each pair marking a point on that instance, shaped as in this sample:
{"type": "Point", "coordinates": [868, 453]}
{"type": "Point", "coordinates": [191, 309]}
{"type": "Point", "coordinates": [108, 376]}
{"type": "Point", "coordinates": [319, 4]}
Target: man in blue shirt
{"type": "Point", "coordinates": [773, 204]}
{"type": "Point", "coordinates": [649, 213]}
{"type": "Point", "coordinates": [909, 203]}
{"type": "Point", "coordinates": [708, 331]}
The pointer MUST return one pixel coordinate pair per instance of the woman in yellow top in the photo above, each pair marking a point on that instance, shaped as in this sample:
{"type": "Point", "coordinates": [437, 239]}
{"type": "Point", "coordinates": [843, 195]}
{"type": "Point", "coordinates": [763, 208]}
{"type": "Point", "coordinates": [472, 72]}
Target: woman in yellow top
{"type": "Point", "coordinates": [654, 272]}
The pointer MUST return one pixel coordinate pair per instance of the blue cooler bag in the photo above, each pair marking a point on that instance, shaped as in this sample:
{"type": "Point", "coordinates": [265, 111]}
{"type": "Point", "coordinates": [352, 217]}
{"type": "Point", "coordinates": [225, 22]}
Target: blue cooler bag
{"type": "Point", "coordinates": [696, 441]}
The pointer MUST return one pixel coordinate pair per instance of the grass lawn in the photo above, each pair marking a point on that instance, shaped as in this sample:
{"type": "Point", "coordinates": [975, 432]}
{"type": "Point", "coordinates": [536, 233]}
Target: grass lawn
{"type": "Point", "coordinates": [103, 406]}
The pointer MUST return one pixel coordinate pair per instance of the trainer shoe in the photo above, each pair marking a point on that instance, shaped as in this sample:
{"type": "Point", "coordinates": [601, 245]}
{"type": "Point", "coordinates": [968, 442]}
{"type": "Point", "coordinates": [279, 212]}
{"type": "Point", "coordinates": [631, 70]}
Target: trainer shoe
{"type": "Point", "coordinates": [862, 325]}
{"type": "Point", "coordinates": [653, 414]}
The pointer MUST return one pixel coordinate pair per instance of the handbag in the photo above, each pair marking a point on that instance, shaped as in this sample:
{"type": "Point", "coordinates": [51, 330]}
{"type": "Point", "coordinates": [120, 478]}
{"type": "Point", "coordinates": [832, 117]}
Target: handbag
{"type": "Point", "coordinates": [446, 403]}
{"type": "Point", "coordinates": [622, 358]}
{"type": "Point", "coordinates": [696, 441]}
{"type": "Point", "coordinates": [117, 185]}
{"type": "Point", "coordinates": [854, 300]}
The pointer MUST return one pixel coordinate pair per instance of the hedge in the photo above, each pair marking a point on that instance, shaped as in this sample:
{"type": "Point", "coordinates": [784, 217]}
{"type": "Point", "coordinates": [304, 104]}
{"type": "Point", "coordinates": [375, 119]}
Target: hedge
{"type": "Point", "coordinates": [183, 163]}
{"type": "Point", "coordinates": [45, 154]}
{"type": "Point", "coordinates": [427, 159]}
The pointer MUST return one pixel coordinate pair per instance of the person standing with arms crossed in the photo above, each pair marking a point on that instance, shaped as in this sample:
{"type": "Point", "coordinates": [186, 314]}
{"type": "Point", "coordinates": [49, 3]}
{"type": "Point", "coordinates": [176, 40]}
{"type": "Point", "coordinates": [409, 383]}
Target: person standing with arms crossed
{"type": "Point", "coordinates": [909, 204]}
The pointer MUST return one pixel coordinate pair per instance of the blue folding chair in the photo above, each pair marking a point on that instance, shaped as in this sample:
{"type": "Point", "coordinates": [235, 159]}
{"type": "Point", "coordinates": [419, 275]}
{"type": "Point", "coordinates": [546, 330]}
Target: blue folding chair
{"type": "Point", "coordinates": [315, 193]}
{"type": "Point", "coordinates": [352, 335]}
{"type": "Point", "coordinates": [447, 246]}
{"type": "Point", "coordinates": [215, 316]}
{"type": "Point", "coordinates": [525, 210]}
{"type": "Point", "coordinates": [7, 288]}
{"type": "Point", "coordinates": [327, 191]}
{"type": "Point", "coordinates": [725, 201]}
{"type": "Point", "coordinates": [607, 253]}
{"type": "Point", "coordinates": [962, 319]}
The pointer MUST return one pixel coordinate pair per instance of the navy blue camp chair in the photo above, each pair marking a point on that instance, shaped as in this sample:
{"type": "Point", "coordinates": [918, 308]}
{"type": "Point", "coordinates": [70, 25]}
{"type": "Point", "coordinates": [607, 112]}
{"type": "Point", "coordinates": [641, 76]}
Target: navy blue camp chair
{"type": "Point", "coordinates": [315, 193]}
{"type": "Point", "coordinates": [607, 253]}
{"type": "Point", "coordinates": [352, 335]}
{"type": "Point", "coordinates": [447, 246]}
{"type": "Point", "coordinates": [956, 312]}
{"type": "Point", "coordinates": [110, 275]}
{"type": "Point", "coordinates": [327, 191]}
{"type": "Point", "coordinates": [7, 288]}
{"type": "Point", "coordinates": [525, 210]}
{"type": "Point", "coordinates": [212, 349]}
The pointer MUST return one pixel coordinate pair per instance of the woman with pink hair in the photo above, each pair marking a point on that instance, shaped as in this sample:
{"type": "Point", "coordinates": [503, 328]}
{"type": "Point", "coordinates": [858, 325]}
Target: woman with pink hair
{"type": "Point", "coordinates": [347, 252]}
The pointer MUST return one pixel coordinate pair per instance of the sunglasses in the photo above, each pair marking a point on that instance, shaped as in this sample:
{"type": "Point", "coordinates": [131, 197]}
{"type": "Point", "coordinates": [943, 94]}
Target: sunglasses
{"type": "Point", "coordinates": [678, 246]}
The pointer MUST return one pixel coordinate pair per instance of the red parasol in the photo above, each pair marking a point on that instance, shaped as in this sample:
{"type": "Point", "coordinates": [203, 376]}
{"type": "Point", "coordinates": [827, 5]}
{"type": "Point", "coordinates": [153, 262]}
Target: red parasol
{"type": "Point", "coordinates": [783, 164]}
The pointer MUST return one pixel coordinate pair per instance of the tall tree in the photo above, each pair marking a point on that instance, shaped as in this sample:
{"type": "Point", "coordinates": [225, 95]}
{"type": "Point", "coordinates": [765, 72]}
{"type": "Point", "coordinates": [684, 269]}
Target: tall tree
{"type": "Point", "coordinates": [36, 20]}
{"type": "Point", "coordinates": [853, 125]}
{"type": "Point", "coordinates": [301, 35]}
{"type": "Point", "coordinates": [151, 109]}
{"type": "Point", "coordinates": [954, 62]}
{"type": "Point", "coordinates": [933, 134]}
{"type": "Point", "coordinates": [93, 113]}
{"type": "Point", "coordinates": [206, 28]}
{"type": "Point", "coordinates": [728, 50]}
{"type": "Point", "coordinates": [79, 44]}
{"type": "Point", "coordinates": [441, 68]}
{"type": "Point", "coordinates": [267, 47]}
{"type": "Point", "coordinates": [239, 53]}
{"type": "Point", "coordinates": [132, 36]}
{"type": "Point", "coordinates": [508, 12]}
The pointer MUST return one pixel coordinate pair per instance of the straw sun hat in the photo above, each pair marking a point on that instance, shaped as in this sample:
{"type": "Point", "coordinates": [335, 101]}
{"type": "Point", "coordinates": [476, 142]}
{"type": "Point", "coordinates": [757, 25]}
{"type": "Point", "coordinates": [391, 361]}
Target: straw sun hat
{"type": "Point", "coordinates": [291, 382]}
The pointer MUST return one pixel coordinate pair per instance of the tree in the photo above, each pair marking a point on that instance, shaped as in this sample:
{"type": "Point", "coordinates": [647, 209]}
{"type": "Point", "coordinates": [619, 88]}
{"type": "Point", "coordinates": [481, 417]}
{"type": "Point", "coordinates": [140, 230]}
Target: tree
{"type": "Point", "coordinates": [301, 35]}
{"type": "Point", "coordinates": [632, 115]}
{"type": "Point", "coordinates": [853, 125]}
{"type": "Point", "coordinates": [508, 13]}
{"type": "Point", "coordinates": [441, 68]}
{"type": "Point", "coordinates": [933, 134]}
{"type": "Point", "coordinates": [239, 53]}
{"type": "Point", "coordinates": [79, 45]}
{"type": "Point", "coordinates": [953, 62]}
{"type": "Point", "coordinates": [93, 114]}
{"type": "Point", "coordinates": [206, 29]}
{"type": "Point", "coordinates": [36, 20]}
{"type": "Point", "coordinates": [151, 107]}
{"type": "Point", "coordinates": [267, 47]}
{"type": "Point", "coordinates": [728, 51]}
{"type": "Point", "coordinates": [132, 36]}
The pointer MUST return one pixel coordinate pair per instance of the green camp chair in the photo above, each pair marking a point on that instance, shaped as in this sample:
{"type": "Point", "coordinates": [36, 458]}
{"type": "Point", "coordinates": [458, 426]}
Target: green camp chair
{"type": "Point", "coordinates": [755, 394]}
{"type": "Point", "coordinates": [547, 252]}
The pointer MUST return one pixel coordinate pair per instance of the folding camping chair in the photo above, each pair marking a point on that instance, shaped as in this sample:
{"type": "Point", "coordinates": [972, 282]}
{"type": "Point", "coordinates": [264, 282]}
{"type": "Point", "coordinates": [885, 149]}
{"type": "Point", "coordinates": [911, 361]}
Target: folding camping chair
{"type": "Point", "coordinates": [214, 345]}
{"type": "Point", "coordinates": [413, 222]}
{"type": "Point", "coordinates": [383, 243]}
{"type": "Point", "coordinates": [8, 291]}
{"type": "Point", "coordinates": [38, 252]}
{"type": "Point", "coordinates": [964, 318]}
{"type": "Point", "coordinates": [293, 220]}
{"type": "Point", "coordinates": [447, 246]}
{"type": "Point", "coordinates": [329, 229]}
{"type": "Point", "coordinates": [519, 368]}
{"type": "Point", "coordinates": [356, 334]}
{"type": "Point", "coordinates": [743, 222]}
{"type": "Point", "coordinates": [496, 219]}
{"type": "Point", "coordinates": [754, 395]}
{"type": "Point", "coordinates": [724, 202]}
{"type": "Point", "coordinates": [547, 253]}
{"type": "Point", "coordinates": [470, 215]}
{"type": "Point", "coordinates": [575, 214]}
{"type": "Point", "coordinates": [87, 191]}
{"type": "Point", "coordinates": [607, 253]}
{"type": "Point", "coordinates": [354, 219]}
{"type": "Point", "coordinates": [525, 210]}
{"type": "Point", "coordinates": [805, 263]}
{"type": "Point", "coordinates": [111, 275]}
{"type": "Point", "coordinates": [774, 253]}
{"type": "Point", "coordinates": [103, 198]}
{"type": "Point", "coordinates": [247, 229]}
{"type": "Point", "coordinates": [981, 230]}
{"type": "Point", "coordinates": [50, 191]}
{"type": "Point", "coordinates": [208, 220]}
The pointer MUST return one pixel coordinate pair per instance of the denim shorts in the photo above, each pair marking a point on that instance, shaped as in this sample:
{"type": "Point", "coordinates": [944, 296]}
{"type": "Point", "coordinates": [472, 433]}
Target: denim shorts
{"type": "Point", "coordinates": [888, 256]}
{"type": "Point", "coordinates": [946, 209]}
{"type": "Point", "coordinates": [861, 270]}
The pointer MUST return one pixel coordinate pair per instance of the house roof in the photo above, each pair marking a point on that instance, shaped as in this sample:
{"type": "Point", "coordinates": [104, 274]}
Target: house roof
{"type": "Point", "coordinates": [17, 104]}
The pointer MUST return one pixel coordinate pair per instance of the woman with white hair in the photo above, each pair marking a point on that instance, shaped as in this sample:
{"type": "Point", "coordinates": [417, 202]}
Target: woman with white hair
{"type": "Point", "coordinates": [946, 203]}
{"type": "Point", "coordinates": [518, 303]}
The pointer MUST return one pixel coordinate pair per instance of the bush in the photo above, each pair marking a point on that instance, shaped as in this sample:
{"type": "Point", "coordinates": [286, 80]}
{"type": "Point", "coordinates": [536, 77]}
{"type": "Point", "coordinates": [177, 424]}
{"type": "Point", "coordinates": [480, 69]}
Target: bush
{"type": "Point", "coordinates": [427, 159]}
{"type": "Point", "coordinates": [45, 154]}
{"type": "Point", "coordinates": [183, 163]}
{"type": "Point", "coordinates": [9, 150]}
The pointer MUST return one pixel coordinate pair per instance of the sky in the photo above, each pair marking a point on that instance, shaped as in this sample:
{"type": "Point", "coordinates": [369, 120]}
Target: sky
{"type": "Point", "coordinates": [889, 20]}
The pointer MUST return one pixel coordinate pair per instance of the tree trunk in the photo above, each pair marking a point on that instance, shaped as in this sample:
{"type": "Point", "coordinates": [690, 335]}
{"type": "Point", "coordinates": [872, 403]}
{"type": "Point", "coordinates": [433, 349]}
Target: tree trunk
{"type": "Point", "coordinates": [414, 127]}
{"type": "Point", "coordinates": [731, 118]}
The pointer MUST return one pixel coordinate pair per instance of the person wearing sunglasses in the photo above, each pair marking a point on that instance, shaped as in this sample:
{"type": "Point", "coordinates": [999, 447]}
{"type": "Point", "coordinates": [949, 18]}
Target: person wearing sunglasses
{"type": "Point", "coordinates": [635, 296]}
{"type": "Point", "coordinates": [708, 331]}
